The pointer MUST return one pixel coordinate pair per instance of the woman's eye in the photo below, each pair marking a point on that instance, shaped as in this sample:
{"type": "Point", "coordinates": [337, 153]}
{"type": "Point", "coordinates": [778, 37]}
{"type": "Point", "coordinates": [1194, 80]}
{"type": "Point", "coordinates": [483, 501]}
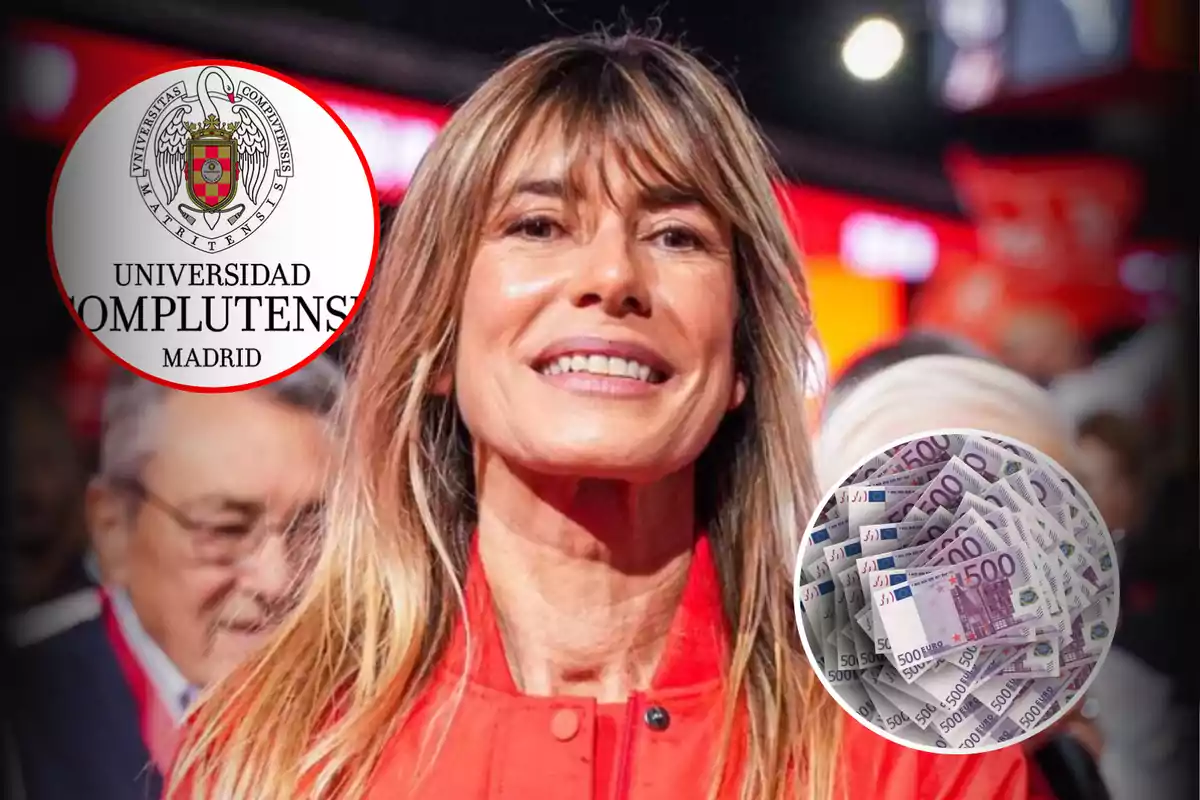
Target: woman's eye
{"type": "Point", "coordinates": [535, 228]}
{"type": "Point", "coordinates": [679, 239]}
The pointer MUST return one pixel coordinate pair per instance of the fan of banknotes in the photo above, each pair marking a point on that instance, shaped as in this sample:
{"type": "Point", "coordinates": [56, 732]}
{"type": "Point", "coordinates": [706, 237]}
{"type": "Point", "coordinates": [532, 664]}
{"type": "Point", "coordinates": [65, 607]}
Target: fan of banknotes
{"type": "Point", "coordinates": [957, 592]}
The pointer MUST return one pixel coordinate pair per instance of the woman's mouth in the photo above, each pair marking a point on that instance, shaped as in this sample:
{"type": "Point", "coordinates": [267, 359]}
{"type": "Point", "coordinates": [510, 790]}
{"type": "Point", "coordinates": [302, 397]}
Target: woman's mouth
{"type": "Point", "coordinates": [601, 366]}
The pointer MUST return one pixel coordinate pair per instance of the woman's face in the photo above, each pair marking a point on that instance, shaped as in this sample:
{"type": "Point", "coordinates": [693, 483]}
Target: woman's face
{"type": "Point", "coordinates": [596, 339]}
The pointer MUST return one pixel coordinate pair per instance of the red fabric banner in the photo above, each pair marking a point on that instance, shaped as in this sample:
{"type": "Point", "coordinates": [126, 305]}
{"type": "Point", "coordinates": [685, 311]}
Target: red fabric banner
{"type": "Point", "coordinates": [1049, 221]}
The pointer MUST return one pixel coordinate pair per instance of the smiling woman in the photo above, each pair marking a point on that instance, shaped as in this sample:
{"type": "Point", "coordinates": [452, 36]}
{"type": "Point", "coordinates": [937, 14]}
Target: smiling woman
{"type": "Point", "coordinates": [600, 256]}
{"type": "Point", "coordinates": [576, 460]}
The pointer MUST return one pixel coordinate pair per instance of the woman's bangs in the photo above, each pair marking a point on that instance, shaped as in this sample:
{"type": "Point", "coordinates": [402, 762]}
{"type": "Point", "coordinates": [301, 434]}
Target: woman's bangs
{"type": "Point", "coordinates": [627, 124]}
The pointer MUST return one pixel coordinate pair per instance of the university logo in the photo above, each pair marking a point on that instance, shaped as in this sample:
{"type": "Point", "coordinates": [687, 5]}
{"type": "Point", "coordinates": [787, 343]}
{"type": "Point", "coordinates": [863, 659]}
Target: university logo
{"type": "Point", "coordinates": [211, 163]}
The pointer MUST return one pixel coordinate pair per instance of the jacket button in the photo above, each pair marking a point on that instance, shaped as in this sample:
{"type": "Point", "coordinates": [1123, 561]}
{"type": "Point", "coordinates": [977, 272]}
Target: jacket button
{"type": "Point", "coordinates": [657, 718]}
{"type": "Point", "coordinates": [564, 725]}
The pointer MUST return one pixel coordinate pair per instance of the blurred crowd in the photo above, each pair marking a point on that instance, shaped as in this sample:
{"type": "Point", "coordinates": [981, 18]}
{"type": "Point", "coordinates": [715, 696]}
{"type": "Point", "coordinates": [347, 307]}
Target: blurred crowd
{"type": "Point", "coordinates": [157, 544]}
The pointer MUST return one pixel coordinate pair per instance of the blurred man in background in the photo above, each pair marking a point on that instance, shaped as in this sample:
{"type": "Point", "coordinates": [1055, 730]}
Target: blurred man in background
{"type": "Point", "coordinates": [1112, 467]}
{"type": "Point", "coordinates": [201, 516]}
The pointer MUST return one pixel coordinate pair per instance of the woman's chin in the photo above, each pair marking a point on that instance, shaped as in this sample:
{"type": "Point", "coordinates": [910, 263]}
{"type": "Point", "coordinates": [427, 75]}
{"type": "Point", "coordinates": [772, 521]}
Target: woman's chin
{"type": "Point", "coordinates": [612, 462]}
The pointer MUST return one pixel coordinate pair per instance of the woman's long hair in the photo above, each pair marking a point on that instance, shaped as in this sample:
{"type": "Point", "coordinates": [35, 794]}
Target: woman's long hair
{"type": "Point", "coordinates": [309, 716]}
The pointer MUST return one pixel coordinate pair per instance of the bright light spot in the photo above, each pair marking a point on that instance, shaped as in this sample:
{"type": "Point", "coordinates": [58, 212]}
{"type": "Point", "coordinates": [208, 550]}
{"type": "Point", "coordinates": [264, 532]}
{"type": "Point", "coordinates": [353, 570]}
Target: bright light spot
{"type": "Point", "coordinates": [973, 79]}
{"type": "Point", "coordinates": [46, 80]}
{"type": "Point", "coordinates": [392, 144]}
{"type": "Point", "coordinates": [881, 245]}
{"type": "Point", "coordinates": [873, 49]}
{"type": "Point", "coordinates": [972, 22]}
{"type": "Point", "coordinates": [1145, 272]}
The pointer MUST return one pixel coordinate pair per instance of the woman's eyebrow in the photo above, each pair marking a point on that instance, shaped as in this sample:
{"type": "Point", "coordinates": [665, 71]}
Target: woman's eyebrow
{"type": "Point", "coordinates": [655, 197]}
{"type": "Point", "coordinates": [660, 196]}
{"type": "Point", "coordinates": [507, 193]}
{"type": "Point", "coordinates": [542, 187]}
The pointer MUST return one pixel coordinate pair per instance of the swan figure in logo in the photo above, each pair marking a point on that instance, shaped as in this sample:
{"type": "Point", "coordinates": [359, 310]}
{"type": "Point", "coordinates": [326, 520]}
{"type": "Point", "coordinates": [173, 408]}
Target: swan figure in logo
{"type": "Point", "coordinates": [244, 162]}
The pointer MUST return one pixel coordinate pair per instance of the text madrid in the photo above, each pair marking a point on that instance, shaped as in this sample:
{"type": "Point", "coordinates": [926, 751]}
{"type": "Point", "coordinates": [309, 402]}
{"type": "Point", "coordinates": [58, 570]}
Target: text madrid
{"type": "Point", "coordinates": [212, 357]}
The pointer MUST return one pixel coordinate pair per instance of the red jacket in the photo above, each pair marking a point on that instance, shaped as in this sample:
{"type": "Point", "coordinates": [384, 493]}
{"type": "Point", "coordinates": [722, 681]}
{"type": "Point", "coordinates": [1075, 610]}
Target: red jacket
{"type": "Point", "coordinates": [502, 745]}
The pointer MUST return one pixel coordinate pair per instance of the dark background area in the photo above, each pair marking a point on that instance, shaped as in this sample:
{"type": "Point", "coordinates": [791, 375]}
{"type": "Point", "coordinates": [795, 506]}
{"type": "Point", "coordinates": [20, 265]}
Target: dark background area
{"type": "Point", "coordinates": [884, 140]}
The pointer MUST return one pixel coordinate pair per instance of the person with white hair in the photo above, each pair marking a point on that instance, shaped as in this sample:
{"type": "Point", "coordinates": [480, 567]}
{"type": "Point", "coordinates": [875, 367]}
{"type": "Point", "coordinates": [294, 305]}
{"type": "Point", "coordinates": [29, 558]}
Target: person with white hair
{"type": "Point", "coordinates": [201, 517]}
{"type": "Point", "coordinates": [937, 392]}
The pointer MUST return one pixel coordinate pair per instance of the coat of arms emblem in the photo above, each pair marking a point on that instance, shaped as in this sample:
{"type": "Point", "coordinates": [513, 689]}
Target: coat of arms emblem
{"type": "Point", "coordinates": [212, 163]}
{"type": "Point", "coordinates": [212, 159]}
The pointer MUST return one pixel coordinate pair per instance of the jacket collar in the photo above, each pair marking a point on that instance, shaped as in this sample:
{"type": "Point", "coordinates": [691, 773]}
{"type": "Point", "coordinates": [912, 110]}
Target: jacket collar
{"type": "Point", "coordinates": [164, 676]}
{"type": "Point", "coordinates": [696, 651]}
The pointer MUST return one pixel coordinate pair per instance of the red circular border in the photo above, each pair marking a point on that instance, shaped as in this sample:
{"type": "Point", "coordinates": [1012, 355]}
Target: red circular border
{"type": "Point", "coordinates": [96, 339]}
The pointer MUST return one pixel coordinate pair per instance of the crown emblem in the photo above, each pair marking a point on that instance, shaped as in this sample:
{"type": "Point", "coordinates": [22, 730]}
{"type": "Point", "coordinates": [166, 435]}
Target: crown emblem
{"type": "Point", "coordinates": [212, 127]}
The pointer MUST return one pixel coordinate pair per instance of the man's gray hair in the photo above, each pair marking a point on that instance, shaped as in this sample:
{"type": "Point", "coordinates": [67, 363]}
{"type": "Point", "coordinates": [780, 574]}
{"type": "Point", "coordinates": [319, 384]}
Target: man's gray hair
{"type": "Point", "coordinates": [132, 404]}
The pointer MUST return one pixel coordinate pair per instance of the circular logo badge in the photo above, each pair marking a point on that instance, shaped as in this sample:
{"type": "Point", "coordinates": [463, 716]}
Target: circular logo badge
{"type": "Point", "coordinates": [213, 227]}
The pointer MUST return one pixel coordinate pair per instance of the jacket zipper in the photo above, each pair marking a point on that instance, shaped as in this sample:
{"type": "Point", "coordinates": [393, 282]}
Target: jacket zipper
{"type": "Point", "coordinates": [624, 765]}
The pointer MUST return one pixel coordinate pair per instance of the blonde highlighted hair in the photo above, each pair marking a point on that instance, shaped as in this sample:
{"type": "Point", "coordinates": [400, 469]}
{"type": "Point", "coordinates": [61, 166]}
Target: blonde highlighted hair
{"type": "Point", "coordinates": [310, 716]}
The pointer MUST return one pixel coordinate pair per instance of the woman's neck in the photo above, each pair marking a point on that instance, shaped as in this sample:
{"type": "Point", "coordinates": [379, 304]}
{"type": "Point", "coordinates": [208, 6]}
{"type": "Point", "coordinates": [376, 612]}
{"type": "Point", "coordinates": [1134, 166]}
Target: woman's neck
{"type": "Point", "coordinates": [585, 575]}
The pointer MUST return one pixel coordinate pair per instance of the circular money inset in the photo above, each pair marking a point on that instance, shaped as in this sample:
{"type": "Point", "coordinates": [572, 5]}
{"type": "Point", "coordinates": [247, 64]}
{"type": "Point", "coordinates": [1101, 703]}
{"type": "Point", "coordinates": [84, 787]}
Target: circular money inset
{"type": "Point", "coordinates": [957, 592]}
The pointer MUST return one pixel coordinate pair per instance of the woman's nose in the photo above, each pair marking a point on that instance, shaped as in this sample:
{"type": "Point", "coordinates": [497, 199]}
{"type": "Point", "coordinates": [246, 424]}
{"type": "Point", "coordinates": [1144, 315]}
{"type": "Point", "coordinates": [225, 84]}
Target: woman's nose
{"type": "Point", "coordinates": [611, 276]}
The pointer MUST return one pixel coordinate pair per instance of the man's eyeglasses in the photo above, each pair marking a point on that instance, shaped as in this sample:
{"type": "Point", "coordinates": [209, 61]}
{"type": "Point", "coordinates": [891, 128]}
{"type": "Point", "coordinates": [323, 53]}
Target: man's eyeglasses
{"type": "Point", "coordinates": [231, 535]}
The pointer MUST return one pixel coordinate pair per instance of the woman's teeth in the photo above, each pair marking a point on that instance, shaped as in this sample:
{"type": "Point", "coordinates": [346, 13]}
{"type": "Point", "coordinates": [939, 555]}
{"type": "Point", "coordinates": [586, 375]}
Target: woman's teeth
{"type": "Point", "coordinates": [601, 365]}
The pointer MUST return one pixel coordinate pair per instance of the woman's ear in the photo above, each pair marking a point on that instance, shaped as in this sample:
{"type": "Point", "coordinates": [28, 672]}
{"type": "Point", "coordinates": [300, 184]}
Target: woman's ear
{"type": "Point", "coordinates": [443, 384]}
{"type": "Point", "coordinates": [738, 395]}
